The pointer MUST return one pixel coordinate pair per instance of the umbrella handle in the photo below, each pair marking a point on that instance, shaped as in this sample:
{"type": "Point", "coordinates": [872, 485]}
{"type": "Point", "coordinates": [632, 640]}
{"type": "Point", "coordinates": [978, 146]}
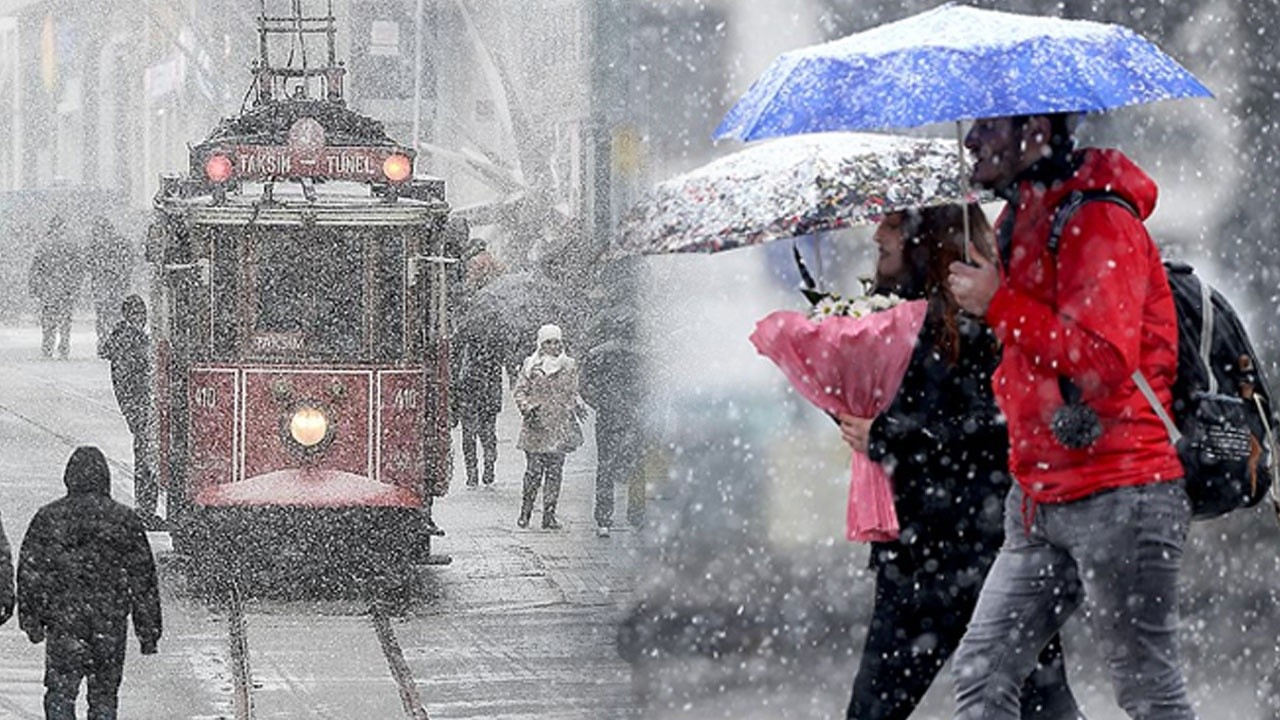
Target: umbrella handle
{"type": "Point", "coordinates": [804, 269]}
{"type": "Point", "coordinates": [810, 289]}
{"type": "Point", "coordinates": [964, 191]}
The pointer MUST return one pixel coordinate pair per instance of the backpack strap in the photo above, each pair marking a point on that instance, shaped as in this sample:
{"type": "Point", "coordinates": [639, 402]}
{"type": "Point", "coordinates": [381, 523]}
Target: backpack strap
{"type": "Point", "coordinates": [1206, 335]}
{"type": "Point", "coordinates": [1206, 332]}
{"type": "Point", "coordinates": [1072, 203]}
{"type": "Point", "coordinates": [1061, 216]}
{"type": "Point", "coordinates": [1147, 392]}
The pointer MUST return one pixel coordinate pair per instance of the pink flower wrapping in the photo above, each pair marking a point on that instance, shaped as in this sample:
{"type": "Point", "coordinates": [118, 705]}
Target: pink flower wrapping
{"type": "Point", "coordinates": [854, 366]}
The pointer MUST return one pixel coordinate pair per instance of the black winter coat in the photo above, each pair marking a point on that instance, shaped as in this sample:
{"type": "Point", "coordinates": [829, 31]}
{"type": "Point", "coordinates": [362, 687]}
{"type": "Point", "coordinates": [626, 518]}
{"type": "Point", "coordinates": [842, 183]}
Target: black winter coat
{"type": "Point", "coordinates": [613, 382]}
{"type": "Point", "coordinates": [129, 350]}
{"type": "Point", "coordinates": [945, 446]}
{"type": "Point", "coordinates": [85, 561]}
{"type": "Point", "coordinates": [56, 273]}
{"type": "Point", "coordinates": [479, 379]}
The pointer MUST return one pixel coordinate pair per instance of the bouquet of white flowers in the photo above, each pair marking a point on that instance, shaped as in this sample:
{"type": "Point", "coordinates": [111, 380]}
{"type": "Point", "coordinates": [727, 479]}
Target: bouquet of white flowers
{"type": "Point", "coordinates": [836, 305]}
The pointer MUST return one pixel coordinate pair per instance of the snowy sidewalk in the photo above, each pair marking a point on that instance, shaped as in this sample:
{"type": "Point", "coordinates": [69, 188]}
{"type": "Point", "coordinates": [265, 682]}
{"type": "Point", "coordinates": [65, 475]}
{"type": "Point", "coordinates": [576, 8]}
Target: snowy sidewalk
{"type": "Point", "coordinates": [521, 624]}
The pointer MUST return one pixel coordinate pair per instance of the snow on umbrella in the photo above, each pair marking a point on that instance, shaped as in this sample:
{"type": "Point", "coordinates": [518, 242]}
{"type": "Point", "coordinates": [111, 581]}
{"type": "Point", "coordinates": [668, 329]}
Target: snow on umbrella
{"type": "Point", "coordinates": [956, 63]}
{"type": "Point", "coordinates": [790, 187]}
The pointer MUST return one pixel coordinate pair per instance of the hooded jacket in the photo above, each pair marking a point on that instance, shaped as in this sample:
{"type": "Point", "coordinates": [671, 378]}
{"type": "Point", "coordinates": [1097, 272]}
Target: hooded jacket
{"type": "Point", "coordinates": [85, 563]}
{"type": "Point", "coordinates": [548, 403]}
{"type": "Point", "coordinates": [1096, 312]}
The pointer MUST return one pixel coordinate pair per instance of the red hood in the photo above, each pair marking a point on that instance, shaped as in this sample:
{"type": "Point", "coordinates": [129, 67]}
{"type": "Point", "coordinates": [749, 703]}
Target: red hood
{"type": "Point", "coordinates": [1109, 169]}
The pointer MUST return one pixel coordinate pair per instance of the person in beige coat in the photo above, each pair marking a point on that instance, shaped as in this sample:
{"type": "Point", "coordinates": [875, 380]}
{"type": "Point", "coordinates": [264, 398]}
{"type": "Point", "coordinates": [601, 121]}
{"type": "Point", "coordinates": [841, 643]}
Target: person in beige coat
{"type": "Point", "coordinates": [547, 395]}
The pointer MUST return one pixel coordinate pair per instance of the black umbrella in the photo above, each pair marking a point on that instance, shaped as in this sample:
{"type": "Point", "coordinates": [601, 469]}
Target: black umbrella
{"type": "Point", "coordinates": [513, 306]}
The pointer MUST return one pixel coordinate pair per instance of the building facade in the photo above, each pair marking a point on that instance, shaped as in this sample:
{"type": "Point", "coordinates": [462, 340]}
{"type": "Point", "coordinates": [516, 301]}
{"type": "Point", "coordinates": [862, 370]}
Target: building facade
{"type": "Point", "coordinates": [108, 93]}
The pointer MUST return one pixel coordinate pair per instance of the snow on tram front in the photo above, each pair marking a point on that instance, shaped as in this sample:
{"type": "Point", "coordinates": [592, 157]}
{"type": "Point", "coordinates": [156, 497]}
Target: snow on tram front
{"type": "Point", "coordinates": [301, 346]}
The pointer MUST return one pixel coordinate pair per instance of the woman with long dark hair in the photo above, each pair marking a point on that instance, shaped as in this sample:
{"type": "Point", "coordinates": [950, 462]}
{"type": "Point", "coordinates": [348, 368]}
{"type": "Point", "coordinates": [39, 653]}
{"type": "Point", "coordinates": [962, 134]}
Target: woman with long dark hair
{"type": "Point", "coordinates": [943, 443]}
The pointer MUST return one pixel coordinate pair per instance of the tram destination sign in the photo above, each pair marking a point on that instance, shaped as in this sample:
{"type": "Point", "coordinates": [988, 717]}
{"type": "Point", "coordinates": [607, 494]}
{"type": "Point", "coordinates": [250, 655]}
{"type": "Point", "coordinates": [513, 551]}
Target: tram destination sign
{"type": "Point", "coordinates": [266, 162]}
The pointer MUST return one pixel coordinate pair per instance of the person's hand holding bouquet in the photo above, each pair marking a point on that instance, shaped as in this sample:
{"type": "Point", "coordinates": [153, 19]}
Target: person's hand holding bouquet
{"type": "Point", "coordinates": [848, 357]}
{"type": "Point", "coordinates": [855, 431]}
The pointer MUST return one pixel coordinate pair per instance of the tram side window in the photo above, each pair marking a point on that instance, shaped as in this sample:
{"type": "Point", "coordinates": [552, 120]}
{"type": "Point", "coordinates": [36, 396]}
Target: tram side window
{"type": "Point", "coordinates": [389, 298]}
{"type": "Point", "coordinates": [226, 292]}
{"type": "Point", "coordinates": [313, 286]}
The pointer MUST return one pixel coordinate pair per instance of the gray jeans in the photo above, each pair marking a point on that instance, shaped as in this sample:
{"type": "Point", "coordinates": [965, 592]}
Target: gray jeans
{"type": "Point", "coordinates": [1120, 547]}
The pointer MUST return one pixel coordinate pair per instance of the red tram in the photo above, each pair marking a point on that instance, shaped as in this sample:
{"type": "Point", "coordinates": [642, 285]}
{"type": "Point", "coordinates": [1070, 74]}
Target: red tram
{"type": "Point", "coordinates": [298, 314]}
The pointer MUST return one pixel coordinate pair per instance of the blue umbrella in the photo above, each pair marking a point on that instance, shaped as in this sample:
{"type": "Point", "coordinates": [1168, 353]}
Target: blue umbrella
{"type": "Point", "coordinates": [956, 63]}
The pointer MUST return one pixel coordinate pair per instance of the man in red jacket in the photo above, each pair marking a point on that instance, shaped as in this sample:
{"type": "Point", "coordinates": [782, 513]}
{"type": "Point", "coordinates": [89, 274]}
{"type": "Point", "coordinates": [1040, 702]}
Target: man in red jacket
{"type": "Point", "coordinates": [1101, 513]}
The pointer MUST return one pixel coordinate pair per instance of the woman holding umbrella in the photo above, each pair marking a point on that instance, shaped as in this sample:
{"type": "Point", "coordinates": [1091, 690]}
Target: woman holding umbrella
{"type": "Point", "coordinates": [944, 444]}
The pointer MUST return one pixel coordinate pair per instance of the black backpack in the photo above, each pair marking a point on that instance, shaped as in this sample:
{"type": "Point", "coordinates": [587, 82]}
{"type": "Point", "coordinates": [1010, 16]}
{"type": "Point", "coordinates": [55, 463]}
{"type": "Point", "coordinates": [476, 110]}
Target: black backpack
{"type": "Point", "coordinates": [1222, 412]}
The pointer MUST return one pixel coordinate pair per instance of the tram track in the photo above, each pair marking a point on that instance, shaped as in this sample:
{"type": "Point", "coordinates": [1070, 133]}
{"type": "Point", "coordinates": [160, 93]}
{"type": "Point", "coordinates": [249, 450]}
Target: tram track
{"type": "Point", "coordinates": [242, 674]}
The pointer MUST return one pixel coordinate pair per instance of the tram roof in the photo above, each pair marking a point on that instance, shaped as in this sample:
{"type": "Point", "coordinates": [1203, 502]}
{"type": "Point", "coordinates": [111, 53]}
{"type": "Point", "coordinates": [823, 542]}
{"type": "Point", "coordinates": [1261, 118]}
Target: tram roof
{"type": "Point", "coordinates": [333, 204]}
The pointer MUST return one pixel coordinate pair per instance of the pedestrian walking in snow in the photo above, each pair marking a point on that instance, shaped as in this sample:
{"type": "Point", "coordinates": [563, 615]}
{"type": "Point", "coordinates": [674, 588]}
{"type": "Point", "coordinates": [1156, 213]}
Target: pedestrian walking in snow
{"type": "Point", "coordinates": [943, 443]}
{"type": "Point", "coordinates": [54, 281]}
{"type": "Point", "coordinates": [479, 398]}
{"type": "Point", "coordinates": [1099, 508]}
{"type": "Point", "coordinates": [613, 385]}
{"type": "Point", "coordinates": [109, 261]}
{"type": "Point", "coordinates": [129, 350]}
{"type": "Point", "coordinates": [547, 395]}
{"type": "Point", "coordinates": [83, 570]}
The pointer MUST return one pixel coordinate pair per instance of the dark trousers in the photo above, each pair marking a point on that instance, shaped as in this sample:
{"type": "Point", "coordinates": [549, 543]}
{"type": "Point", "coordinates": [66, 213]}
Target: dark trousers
{"type": "Point", "coordinates": [145, 488]}
{"type": "Point", "coordinates": [55, 327]}
{"type": "Point", "coordinates": [142, 425]}
{"type": "Point", "coordinates": [97, 657]}
{"type": "Point", "coordinates": [917, 623]}
{"type": "Point", "coordinates": [542, 468]}
{"type": "Point", "coordinates": [482, 427]}
{"type": "Point", "coordinates": [618, 454]}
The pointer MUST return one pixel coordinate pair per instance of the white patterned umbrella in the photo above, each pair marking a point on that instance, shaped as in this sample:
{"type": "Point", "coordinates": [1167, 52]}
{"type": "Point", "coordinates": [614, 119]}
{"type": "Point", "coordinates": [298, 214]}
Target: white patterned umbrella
{"type": "Point", "coordinates": [793, 186]}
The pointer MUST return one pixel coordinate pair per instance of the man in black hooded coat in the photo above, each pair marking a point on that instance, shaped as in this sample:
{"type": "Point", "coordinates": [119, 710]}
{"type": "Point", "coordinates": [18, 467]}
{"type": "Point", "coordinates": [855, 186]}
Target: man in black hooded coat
{"type": "Point", "coordinates": [479, 354]}
{"type": "Point", "coordinates": [129, 350]}
{"type": "Point", "coordinates": [84, 568]}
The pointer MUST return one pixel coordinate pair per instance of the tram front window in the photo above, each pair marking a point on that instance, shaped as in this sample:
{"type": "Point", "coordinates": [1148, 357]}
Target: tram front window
{"type": "Point", "coordinates": [313, 289]}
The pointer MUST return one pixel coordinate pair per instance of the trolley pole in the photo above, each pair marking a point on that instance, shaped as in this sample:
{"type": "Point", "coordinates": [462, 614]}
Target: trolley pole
{"type": "Point", "coordinates": [417, 74]}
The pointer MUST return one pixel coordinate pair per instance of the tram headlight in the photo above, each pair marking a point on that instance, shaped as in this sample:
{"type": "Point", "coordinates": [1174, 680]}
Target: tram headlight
{"type": "Point", "coordinates": [308, 427]}
{"type": "Point", "coordinates": [217, 168]}
{"type": "Point", "coordinates": [397, 168]}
